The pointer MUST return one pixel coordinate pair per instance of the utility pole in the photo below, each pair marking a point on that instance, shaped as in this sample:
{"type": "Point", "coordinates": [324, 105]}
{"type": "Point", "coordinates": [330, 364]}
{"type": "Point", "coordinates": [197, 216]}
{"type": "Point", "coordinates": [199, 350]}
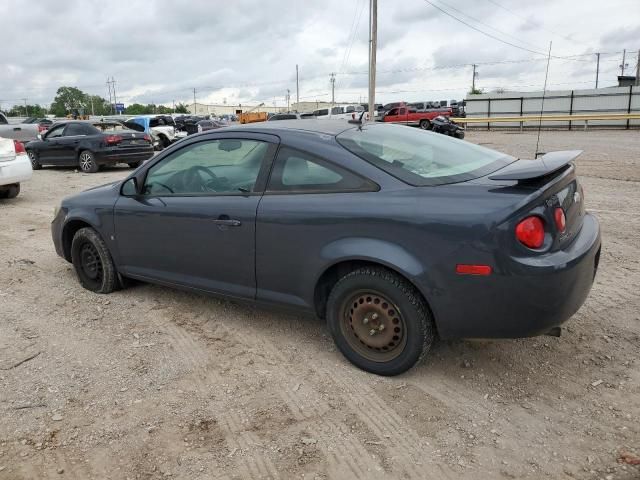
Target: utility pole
{"type": "Point", "coordinates": [288, 98]}
{"type": "Point", "coordinates": [297, 89]}
{"type": "Point", "coordinates": [597, 67]}
{"type": "Point", "coordinates": [110, 100]}
{"type": "Point", "coordinates": [194, 102]}
{"type": "Point", "coordinates": [473, 80]}
{"type": "Point", "coordinates": [174, 106]}
{"type": "Point", "coordinates": [115, 100]}
{"type": "Point", "coordinates": [373, 46]}
{"type": "Point", "coordinates": [638, 69]}
{"type": "Point", "coordinates": [26, 112]}
{"type": "Point", "coordinates": [333, 88]}
{"type": "Point", "coordinates": [623, 65]}
{"type": "Point", "coordinates": [92, 112]}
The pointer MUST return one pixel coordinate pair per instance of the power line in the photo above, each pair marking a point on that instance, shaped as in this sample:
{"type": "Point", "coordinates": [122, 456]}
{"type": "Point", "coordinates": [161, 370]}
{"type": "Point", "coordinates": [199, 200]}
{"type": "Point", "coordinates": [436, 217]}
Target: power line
{"type": "Point", "coordinates": [526, 19]}
{"type": "Point", "coordinates": [489, 26]}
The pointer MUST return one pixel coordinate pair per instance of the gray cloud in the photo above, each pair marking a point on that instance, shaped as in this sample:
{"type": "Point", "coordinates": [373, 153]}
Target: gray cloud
{"type": "Point", "coordinates": [246, 50]}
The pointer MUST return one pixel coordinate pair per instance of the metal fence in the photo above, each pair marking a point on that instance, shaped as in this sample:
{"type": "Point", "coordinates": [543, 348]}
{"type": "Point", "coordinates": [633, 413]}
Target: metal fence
{"type": "Point", "coordinates": [569, 102]}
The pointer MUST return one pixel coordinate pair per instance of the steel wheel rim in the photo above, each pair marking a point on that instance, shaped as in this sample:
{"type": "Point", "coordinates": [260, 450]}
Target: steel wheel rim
{"type": "Point", "coordinates": [85, 161]}
{"type": "Point", "coordinates": [90, 263]}
{"type": "Point", "coordinates": [373, 326]}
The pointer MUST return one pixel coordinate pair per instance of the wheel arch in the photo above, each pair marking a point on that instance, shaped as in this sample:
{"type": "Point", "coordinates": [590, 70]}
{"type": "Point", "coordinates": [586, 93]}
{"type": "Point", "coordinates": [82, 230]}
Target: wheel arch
{"type": "Point", "coordinates": [68, 232]}
{"type": "Point", "coordinates": [340, 267]}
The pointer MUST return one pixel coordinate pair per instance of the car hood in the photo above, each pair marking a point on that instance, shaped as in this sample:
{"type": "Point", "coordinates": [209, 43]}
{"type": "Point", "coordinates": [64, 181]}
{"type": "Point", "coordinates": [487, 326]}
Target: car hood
{"type": "Point", "coordinates": [98, 192]}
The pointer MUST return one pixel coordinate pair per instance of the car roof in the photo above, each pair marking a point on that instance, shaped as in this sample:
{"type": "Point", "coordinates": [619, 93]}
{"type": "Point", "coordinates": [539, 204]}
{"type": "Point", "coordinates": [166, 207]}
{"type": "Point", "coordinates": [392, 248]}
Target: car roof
{"type": "Point", "coordinates": [327, 127]}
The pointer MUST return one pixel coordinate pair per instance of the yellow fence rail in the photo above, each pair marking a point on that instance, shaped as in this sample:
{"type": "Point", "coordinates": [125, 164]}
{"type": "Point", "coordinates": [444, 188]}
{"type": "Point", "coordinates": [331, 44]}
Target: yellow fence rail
{"type": "Point", "coordinates": [550, 118]}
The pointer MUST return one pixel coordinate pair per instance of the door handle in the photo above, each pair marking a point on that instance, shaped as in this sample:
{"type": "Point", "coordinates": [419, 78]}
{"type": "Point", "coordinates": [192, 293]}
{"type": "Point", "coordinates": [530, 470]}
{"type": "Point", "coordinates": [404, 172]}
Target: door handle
{"type": "Point", "coordinates": [227, 222]}
{"type": "Point", "coordinates": [16, 129]}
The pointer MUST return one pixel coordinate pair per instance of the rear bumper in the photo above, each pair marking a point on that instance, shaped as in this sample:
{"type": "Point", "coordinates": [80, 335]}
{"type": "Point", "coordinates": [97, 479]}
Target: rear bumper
{"type": "Point", "coordinates": [528, 297]}
{"type": "Point", "coordinates": [15, 171]}
{"type": "Point", "coordinates": [120, 156]}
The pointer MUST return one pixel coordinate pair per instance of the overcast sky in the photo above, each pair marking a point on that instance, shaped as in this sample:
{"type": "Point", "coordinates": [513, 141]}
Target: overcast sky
{"type": "Point", "coordinates": [246, 50]}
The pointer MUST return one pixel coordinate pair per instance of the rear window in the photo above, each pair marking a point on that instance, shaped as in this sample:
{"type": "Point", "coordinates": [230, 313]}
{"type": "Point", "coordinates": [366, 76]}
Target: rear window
{"type": "Point", "coordinates": [421, 158]}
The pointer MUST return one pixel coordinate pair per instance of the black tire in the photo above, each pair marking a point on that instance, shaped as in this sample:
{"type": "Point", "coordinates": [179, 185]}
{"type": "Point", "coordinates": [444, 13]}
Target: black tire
{"type": "Point", "coordinates": [410, 331]}
{"type": "Point", "coordinates": [33, 158]}
{"type": "Point", "coordinates": [87, 162]}
{"type": "Point", "coordinates": [92, 262]}
{"type": "Point", "coordinates": [10, 191]}
{"type": "Point", "coordinates": [425, 124]}
{"type": "Point", "coordinates": [165, 142]}
{"type": "Point", "coordinates": [135, 164]}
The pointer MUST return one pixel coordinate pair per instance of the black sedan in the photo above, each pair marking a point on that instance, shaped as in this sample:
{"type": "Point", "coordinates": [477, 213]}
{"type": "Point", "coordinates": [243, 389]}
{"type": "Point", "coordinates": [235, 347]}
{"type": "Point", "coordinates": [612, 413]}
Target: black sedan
{"type": "Point", "coordinates": [89, 145]}
{"type": "Point", "coordinates": [446, 126]}
{"type": "Point", "coordinates": [202, 126]}
{"type": "Point", "coordinates": [394, 235]}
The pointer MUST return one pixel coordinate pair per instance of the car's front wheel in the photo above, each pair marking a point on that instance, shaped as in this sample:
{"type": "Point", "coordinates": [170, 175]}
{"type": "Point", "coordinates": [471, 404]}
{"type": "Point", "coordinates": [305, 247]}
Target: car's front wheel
{"type": "Point", "coordinates": [425, 124]}
{"type": "Point", "coordinates": [87, 162]}
{"type": "Point", "coordinates": [379, 321]}
{"type": "Point", "coordinates": [92, 262]}
{"type": "Point", "coordinates": [33, 158]}
{"type": "Point", "coordinates": [10, 191]}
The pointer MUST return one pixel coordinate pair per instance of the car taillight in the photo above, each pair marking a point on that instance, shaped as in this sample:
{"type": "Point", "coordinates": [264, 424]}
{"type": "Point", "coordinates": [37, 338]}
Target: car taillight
{"type": "Point", "coordinates": [113, 139]}
{"type": "Point", "coordinates": [530, 232]}
{"type": "Point", "coordinates": [147, 138]}
{"type": "Point", "coordinates": [19, 147]}
{"type": "Point", "coordinates": [561, 221]}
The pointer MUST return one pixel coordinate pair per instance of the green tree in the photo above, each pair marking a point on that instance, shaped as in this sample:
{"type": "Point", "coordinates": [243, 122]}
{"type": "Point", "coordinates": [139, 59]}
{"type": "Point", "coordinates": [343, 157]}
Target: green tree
{"type": "Point", "coordinates": [181, 108]}
{"type": "Point", "coordinates": [476, 91]}
{"type": "Point", "coordinates": [31, 111]}
{"type": "Point", "coordinates": [98, 105]}
{"type": "Point", "coordinates": [68, 99]}
{"type": "Point", "coordinates": [137, 109]}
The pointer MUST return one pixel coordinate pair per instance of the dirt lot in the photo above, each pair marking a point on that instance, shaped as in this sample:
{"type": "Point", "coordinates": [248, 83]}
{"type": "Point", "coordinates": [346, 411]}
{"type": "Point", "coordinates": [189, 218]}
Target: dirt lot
{"type": "Point", "coordinates": [153, 383]}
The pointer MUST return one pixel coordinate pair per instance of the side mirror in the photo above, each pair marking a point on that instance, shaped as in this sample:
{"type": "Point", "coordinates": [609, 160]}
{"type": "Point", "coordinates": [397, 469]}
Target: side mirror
{"type": "Point", "coordinates": [130, 187]}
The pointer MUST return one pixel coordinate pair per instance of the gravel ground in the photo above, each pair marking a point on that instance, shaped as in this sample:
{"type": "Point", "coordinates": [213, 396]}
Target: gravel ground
{"type": "Point", "coordinates": [152, 383]}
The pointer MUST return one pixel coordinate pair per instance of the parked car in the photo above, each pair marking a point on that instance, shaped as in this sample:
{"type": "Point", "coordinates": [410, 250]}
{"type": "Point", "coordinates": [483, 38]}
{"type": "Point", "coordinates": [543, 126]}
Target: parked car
{"type": "Point", "coordinates": [161, 128]}
{"type": "Point", "coordinates": [392, 234]}
{"type": "Point", "coordinates": [14, 167]}
{"type": "Point", "coordinates": [407, 115]}
{"type": "Point", "coordinates": [290, 116]}
{"type": "Point", "coordinates": [89, 145]}
{"type": "Point", "coordinates": [445, 125]}
{"type": "Point", "coordinates": [202, 126]}
{"type": "Point", "coordinates": [23, 132]}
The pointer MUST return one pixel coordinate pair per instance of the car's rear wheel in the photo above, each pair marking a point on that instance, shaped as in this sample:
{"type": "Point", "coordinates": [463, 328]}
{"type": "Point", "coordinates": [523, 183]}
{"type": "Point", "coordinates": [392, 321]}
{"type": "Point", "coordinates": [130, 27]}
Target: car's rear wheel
{"type": "Point", "coordinates": [87, 162]}
{"type": "Point", "coordinates": [92, 262]}
{"type": "Point", "coordinates": [425, 124]}
{"type": "Point", "coordinates": [379, 321]}
{"type": "Point", "coordinates": [33, 158]}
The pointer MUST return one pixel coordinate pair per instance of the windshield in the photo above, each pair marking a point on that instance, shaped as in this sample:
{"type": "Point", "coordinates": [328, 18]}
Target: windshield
{"type": "Point", "coordinates": [421, 158]}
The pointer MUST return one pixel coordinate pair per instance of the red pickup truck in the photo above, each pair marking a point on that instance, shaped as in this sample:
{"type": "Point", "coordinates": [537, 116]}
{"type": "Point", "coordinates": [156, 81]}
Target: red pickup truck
{"type": "Point", "coordinates": [407, 115]}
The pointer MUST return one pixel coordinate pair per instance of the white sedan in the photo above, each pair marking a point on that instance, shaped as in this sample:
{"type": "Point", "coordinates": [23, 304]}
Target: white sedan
{"type": "Point", "coordinates": [15, 167]}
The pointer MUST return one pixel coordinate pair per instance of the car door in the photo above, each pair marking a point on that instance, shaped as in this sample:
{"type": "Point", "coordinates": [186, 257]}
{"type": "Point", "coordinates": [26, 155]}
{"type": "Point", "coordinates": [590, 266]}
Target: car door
{"type": "Point", "coordinates": [50, 149]}
{"type": "Point", "coordinates": [309, 203]}
{"type": "Point", "coordinates": [193, 224]}
{"type": "Point", "coordinates": [68, 143]}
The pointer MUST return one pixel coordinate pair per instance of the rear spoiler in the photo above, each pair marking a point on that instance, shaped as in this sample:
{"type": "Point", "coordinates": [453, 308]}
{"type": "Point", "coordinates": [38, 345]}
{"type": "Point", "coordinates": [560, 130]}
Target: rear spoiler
{"type": "Point", "coordinates": [530, 169]}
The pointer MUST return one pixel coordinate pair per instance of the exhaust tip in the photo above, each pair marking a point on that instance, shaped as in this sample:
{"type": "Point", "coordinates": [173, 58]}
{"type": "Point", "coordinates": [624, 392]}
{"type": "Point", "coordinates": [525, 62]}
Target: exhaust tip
{"type": "Point", "coordinates": [554, 332]}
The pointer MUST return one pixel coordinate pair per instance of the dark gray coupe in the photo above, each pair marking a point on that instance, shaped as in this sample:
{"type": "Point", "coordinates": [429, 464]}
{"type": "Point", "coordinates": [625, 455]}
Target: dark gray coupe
{"type": "Point", "coordinates": [394, 235]}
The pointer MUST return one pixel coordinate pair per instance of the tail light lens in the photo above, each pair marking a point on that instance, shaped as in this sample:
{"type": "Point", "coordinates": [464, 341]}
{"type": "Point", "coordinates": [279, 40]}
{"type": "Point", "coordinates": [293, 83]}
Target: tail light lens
{"type": "Point", "coordinates": [530, 232]}
{"type": "Point", "coordinates": [113, 139]}
{"type": "Point", "coordinates": [19, 147]}
{"type": "Point", "coordinates": [561, 221]}
{"type": "Point", "coordinates": [147, 138]}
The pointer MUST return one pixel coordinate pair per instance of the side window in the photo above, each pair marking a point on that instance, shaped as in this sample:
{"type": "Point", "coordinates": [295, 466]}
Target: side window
{"type": "Point", "coordinates": [55, 132]}
{"type": "Point", "coordinates": [225, 166]}
{"type": "Point", "coordinates": [74, 129]}
{"type": "Point", "coordinates": [392, 112]}
{"type": "Point", "coordinates": [299, 172]}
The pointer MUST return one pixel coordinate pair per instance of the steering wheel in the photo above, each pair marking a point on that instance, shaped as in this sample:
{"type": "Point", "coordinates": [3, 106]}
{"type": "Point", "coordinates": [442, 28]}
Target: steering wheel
{"type": "Point", "coordinates": [192, 181]}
